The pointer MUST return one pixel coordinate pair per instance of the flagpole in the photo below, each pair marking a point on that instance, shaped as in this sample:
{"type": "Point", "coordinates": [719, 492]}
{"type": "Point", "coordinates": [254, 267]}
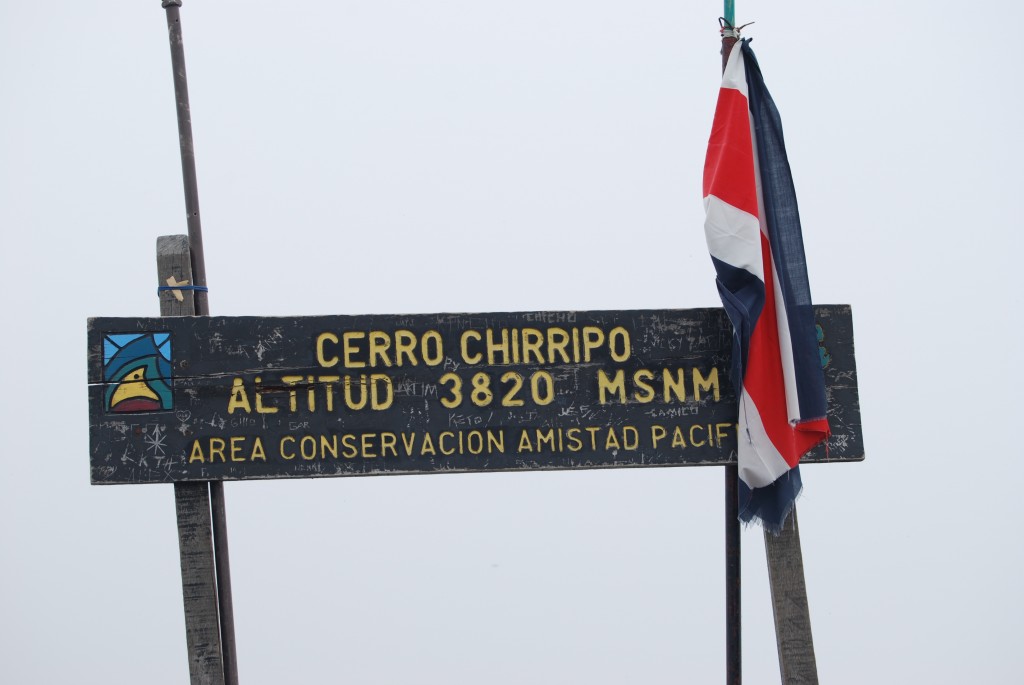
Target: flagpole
{"type": "Point", "coordinates": [733, 606]}
{"type": "Point", "coordinates": [202, 308]}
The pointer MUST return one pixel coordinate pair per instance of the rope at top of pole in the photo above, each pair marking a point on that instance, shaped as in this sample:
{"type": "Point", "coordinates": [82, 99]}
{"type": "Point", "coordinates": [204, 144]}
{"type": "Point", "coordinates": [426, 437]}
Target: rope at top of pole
{"type": "Point", "coordinates": [728, 30]}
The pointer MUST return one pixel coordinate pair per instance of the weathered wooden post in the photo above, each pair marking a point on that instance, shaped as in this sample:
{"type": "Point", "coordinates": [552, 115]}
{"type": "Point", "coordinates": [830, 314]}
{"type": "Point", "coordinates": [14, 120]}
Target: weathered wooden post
{"type": "Point", "coordinates": [192, 500]}
{"type": "Point", "coordinates": [789, 605]}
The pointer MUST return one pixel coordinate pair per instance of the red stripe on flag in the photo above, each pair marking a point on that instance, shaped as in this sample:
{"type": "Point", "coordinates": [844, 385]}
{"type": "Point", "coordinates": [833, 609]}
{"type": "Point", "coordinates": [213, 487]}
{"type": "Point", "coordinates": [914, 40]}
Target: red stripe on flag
{"type": "Point", "coordinates": [729, 165]}
{"type": "Point", "coordinates": [764, 381]}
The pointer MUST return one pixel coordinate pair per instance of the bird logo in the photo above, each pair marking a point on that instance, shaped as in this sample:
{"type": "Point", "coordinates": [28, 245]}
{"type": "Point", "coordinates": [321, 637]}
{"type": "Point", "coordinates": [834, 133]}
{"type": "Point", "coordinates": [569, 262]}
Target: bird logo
{"type": "Point", "coordinates": [137, 370]}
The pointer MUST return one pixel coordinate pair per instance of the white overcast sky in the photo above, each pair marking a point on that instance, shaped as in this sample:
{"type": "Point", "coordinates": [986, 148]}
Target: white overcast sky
{"type": "Point", "coordinates": [388, 157]}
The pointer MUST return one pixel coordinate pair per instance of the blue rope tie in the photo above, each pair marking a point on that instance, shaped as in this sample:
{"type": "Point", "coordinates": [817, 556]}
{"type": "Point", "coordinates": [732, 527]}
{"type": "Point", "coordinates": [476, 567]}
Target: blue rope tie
{"type": "Point", "coordinates": [196, 288]}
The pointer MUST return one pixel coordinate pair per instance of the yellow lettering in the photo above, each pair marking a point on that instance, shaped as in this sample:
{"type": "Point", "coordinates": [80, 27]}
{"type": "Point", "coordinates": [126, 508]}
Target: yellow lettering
{"type": "Point", "coordinates": [438, 355]}
{"type": "Point", "coordinates": [495, 442]}
{"type": "Point", "coordinates": [509, 400]}
{"type": "Point", "coordinates": [547, 395]}
{"type": "Point", "coordinates": [616, 384]}
{"type": "Point", "coordinates": [239, 398]}
{"type": "Point", "coordinates": [388, 442]}
{"type": "Point", "coordinates": [677, 437]}
{"type": "Point", "coordinates": [237, 442]}
{"type": "Point", "coordinates": [493, 347]}
{"type": "Point", "coordinates": [675, 385]}
{"type": "Point", "coordinates": [456, 390]}
{"type": "Point", "coordinates": [257, 450]}
{"type": "Point", "coordinates": [621, 335]}
{"type": "Point", "coordinates": [705, 384]}
{"type": "Point", "coordinates": [645, 392]}
{"type": "Point", "coordinates": [532, 342]}
{"type": "Point", "coordinates": [721, 431]}
{"type": "Point", "coordinates": [441, 442]}
{"type": "Point", "coordinates": [593, 337]}
{"type": "Point", "coordinates": [658, 433]}
{"type": "Point", "coordinates": [197, 453]}
{"type": "Point", "coordinates": [466, 356]}
{"type": "Point", "coordinates": [558, 340]}
{"type": "Point", "coordinates": [427, 447]}
{"type": "Point", "coordinates": [349, 348]}
{"type": "Point", "coordinates": [260, 409]}
{"type": "Point", "coordinates": [693, 440]}
{"type": "Point", "coordinates": [323, 360]}
{"type": "Point", "coordinates": [376, 401]}
{"type": "Point", "coordinates": [405, 345]}
{"type": "Point", "coordinates": [380, 343]}
{"type": "Point", "coordinates": [310, 394]}
{"type": "Point", "coordinates": [408, 442]}
{"type": "Point", "coordinates": [285, 455]}
{"type": "Point", "coordinates": [217, 446]}
{"type": "Point", "coordinates": [573, 436]}
{"type": "Point", "coordinates": [328, 382]}
{"type": "Point", "coordinates": [367, 443]}
{"type": "Point", "coordinates": [348, 442]}
{"type": "Point", "coordinates": [349, 401]}
{"type": "Point", "coordinates": [293, 404]}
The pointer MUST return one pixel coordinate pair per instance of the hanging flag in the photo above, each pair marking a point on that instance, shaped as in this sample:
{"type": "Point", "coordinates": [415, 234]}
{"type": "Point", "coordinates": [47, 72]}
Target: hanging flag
{"type": "Point", "coordinates": [753, 233]}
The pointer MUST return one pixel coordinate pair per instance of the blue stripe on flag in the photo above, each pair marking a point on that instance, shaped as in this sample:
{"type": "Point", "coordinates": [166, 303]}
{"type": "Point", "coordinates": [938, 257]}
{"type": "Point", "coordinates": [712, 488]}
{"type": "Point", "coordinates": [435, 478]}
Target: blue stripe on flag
{"type": "Point", "coordinates": [786, 238]}
{"type": "Point", "coordinates": [772, 503]}
{"type": "Point", "coordinates": [742, 296]}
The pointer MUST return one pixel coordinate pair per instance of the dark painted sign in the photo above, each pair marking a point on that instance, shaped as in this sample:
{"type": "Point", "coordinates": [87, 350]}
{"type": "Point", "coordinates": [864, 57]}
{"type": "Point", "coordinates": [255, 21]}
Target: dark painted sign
{"type": "Point", "coordinates": [201, 398]}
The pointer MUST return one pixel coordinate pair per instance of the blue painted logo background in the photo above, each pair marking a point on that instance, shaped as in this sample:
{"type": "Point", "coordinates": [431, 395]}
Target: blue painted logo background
{"type": "Point", "coordinates": [138, 368]}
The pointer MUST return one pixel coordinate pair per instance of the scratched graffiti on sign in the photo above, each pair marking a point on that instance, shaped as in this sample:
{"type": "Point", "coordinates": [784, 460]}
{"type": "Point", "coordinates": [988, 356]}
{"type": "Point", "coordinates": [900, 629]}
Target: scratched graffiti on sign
{"type": "Point", "coordinates": [264, 397]}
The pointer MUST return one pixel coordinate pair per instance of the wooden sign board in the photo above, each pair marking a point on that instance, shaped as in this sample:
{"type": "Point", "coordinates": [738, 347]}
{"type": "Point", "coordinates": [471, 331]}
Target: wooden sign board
{"type": "Point", "coordinates": [212, 398]}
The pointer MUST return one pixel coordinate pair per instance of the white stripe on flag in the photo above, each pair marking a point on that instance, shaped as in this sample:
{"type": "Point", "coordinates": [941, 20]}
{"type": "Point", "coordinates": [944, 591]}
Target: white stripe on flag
{"type": "Point", "coordinates": [786, 354]}
{"type": "Point", "coordinates": [735, 74]}
{"type": "Point", "coordinates": [761, 465]}
{"type": "Point", "coordinates": [734, 236]}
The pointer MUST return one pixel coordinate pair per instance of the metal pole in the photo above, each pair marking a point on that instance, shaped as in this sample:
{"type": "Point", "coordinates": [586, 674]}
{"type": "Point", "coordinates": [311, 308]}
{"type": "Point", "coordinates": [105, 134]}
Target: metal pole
{"type": "Point", "coordinates": [202, 306]}
{"type": "Point", "coordinates": [733, 652]}
{"type": "Point", "coordinates": [188, 154]}
{"type": "Point", "coordinates": [733, 606]}
{"type": "Point", "coordinates": [227, 608]}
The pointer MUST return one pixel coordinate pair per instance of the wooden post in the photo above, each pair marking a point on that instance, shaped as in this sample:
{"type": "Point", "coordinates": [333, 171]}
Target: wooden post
{"type": "Point", "coordinates": [192, 501]}
{"type": "Point", "coordinates": [789, 605]}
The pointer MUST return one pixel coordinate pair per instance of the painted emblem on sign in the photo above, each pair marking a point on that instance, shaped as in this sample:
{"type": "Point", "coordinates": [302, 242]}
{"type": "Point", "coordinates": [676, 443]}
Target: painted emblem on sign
{"type": "Point", "coordinates": [137, 369]}
{"type": "Point", "coordinates": [823, 353]}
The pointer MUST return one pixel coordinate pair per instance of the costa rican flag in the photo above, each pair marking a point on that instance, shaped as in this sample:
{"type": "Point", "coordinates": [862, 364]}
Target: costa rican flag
{"type": "Point", "coordinates": [753, 233]}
